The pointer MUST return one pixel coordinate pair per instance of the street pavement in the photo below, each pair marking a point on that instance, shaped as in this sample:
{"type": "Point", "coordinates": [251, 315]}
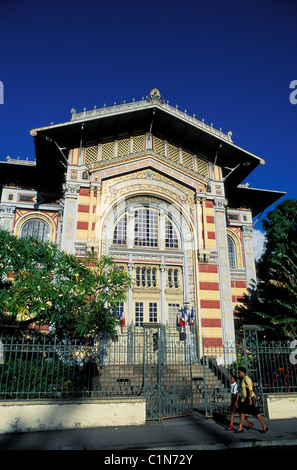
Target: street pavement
{"type": "Point", "coordinates": [177, 435]}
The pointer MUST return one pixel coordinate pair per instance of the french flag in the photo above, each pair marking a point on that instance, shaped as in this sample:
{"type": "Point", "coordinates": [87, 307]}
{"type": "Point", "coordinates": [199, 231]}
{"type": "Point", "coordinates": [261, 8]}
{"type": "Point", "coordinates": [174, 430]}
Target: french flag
{"type": "Point", "coordinates": [182, 320]}
{"type": "Point", "coordinates": [184, 317]}
{"type": "Point", "coordinates": [192, 318]}
{"type": "Point", "coordinates": [122, 317]}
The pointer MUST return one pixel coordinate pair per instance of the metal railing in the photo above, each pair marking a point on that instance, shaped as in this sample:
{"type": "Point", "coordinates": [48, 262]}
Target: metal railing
{"type": "Point", "coordinates": [272, 366]}
{"type": "Point", "coordinates": [157, 363]}
{"type": "Point", "coordinates": [278, 367]}
{"type": "Point", "coordinates": [35, 368]}
{"type": "Point", "coordinates": [151, 362]}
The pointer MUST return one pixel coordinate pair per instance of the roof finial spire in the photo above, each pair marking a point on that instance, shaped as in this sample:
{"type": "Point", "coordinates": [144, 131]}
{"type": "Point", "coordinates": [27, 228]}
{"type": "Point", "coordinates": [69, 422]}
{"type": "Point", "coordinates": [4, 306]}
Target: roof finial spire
{"type": "Point", "coordinates": [155, 95]}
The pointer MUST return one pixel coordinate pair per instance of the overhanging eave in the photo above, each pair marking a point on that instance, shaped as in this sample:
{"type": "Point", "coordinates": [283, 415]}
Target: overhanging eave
{"type": "Point", "coordinates": [256, 200]}
{"type": "Point", "coordinates": [164, 122]}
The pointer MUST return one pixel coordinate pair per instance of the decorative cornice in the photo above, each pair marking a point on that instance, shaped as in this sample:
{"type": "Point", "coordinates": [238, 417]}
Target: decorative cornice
{"type": "Point", "coordinates": [18, 161]}
{"type": "Point", "coordinates": [153, 100]}
{"type": "Point", "coordinates": [149, 153]}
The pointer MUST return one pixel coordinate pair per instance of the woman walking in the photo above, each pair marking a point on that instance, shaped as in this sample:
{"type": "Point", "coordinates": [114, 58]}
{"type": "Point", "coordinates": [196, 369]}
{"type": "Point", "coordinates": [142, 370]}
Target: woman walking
{"type": "Point", "coordinates": [246, 402]}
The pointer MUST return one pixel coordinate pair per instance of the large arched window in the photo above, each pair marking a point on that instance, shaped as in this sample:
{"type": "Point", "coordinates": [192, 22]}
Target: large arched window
{"type": "Point", "coordinates": [232, 252]}
{"type": "Point", "coordinates": [36, 228]}
{"type": "Point", "coordinates": [147, 230]}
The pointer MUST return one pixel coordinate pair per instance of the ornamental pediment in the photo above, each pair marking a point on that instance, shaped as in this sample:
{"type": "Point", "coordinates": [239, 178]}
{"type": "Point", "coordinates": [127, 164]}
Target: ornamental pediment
{"type": "Point", "coordinates": [170, 159]}
{"type": "Point", "coordinates": [102, 170]}
{"type": "Point", "coordinates": [151, 183]}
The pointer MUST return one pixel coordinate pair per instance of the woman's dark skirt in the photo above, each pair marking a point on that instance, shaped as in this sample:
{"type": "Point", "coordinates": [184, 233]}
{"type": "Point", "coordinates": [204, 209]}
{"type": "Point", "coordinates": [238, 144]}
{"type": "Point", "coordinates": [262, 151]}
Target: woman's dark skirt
{"type": "Point", "coordinates": [246, 408]}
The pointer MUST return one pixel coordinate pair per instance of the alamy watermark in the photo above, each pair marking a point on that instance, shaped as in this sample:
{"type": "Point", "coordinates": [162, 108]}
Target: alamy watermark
{"type": "Point", "coordinates": [1, 93]}
{"type": "Point", "coordinates": [293, 355]}
{"type": "Point", "coordinates": [293, 94]}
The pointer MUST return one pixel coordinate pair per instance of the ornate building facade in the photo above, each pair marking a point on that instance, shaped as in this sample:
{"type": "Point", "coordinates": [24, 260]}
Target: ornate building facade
{"type": "Point", "coordinates": [162, 193]}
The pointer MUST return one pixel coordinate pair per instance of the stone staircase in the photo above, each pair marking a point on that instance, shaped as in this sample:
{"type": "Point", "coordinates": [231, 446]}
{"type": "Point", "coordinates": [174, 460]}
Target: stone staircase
{"type": "Point", "coordinates": [209, 389]}
{"type": "Point", "coordinates": [128, 380]}
{"type": "Point", "coordinates": [115, 381]}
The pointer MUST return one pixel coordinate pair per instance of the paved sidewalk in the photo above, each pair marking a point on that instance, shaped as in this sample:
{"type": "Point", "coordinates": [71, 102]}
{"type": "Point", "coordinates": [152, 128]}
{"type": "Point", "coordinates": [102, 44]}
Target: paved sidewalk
{"type": "Point", "coordinates": [179, 434]}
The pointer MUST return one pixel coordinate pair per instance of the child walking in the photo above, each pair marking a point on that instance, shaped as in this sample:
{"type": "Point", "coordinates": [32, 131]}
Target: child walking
{"type": "Point", "coordinates": [234, 402]}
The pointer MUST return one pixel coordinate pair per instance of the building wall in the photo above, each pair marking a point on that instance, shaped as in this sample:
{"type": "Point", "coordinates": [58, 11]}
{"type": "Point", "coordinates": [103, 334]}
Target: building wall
{"type": "Point", "coordinates": [107, 175]}
{"type": "Point", "coordinates": [107, 179]}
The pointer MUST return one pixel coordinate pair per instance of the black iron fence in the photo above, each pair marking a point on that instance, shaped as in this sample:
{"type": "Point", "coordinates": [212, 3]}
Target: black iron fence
{"type": "Point", "coordinates": [151, 361]}
{"type": "Point", "coordinates": [43, 367]}
{"type": "Point", "coordinates": [163, 365]}
{"type": "Point", "coordinates": [278, 367]}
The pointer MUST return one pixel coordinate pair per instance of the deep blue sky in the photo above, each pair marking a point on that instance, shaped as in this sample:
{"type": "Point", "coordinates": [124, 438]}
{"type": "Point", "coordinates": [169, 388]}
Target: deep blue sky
{"type": "Point", "coordinates": [229, 62]}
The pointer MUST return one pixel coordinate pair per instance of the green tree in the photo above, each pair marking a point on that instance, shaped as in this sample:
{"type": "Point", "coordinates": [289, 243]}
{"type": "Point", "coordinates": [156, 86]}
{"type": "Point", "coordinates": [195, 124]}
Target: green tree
{"type": "Point", "coordinates": [42, 284]}
{"type": "Point", "coordinates": [277, 270]}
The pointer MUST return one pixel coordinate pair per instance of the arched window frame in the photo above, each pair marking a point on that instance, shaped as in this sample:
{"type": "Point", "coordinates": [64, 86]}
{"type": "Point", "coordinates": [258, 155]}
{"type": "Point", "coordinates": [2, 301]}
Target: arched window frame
{"type": "Point", "coordinates": [144, 220]}
{"type": "Point", "coordinates": [33, 216]}
{"type": "Point", "coordinates": [37, 228]}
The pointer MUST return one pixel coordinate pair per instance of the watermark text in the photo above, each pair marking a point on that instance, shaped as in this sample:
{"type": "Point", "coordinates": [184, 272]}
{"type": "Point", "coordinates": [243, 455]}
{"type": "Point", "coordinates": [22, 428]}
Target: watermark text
{"type": "Point", "coordinates": [293, 94]}
{"type": "Point", "coordinates": [293, 355]}
{"type": "Point", "coordinates": [1, 93]}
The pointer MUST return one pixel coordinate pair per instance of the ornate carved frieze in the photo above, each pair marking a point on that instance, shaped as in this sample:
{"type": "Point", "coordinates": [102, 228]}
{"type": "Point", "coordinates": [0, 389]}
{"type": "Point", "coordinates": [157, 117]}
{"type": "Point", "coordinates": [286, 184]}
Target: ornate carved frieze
{"type": "Point", "coordinates": [247, 231]}
{"type": "Point", "coordinates": [207, 257]}
{"type": "Point", "coordinates": [149, 182]}
{"type": "Point", "coordinates": [220, 205]}
{"type": "Point", "coordinates": [71, 190]}
{"type": "Point", "coordinates": [7, 211]}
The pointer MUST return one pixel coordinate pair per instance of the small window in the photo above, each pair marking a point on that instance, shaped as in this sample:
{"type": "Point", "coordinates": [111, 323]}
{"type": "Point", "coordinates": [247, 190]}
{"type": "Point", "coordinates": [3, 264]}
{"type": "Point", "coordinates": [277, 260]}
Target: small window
{"type": "Point", "coordinates": [170, 277]}
{"type": "Point", "coordinates": [153, 312]}
{"type": "Point", "coordinates": [154, 277]}
{"type": "Point", "coordinates": [146, 277]}
{"type": "Point", "coordinates": [232, 253]}
{"type": "Point", "coordinates": [138, 313]}
{"type": "Point", "coordinates": [138, 277]}
{"type": "Point", "coordinates": [233, 216]}
{"type": "Point", "coordinates": [26, 198]}
{"type": "Point", "coordinates": [173, 278]}
{"type": "Point", "coordinates": [143, 271]}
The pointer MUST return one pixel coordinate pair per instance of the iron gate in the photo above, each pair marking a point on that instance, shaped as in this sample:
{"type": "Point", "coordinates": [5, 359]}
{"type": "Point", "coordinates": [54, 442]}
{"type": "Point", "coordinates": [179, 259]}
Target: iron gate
{"type": "Point", "coordinates": [167, 376]}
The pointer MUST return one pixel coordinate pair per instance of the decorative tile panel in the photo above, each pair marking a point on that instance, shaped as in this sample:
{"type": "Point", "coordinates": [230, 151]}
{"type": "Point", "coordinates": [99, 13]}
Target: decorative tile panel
{"type": "Point", "coordinates": [91, 154]}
